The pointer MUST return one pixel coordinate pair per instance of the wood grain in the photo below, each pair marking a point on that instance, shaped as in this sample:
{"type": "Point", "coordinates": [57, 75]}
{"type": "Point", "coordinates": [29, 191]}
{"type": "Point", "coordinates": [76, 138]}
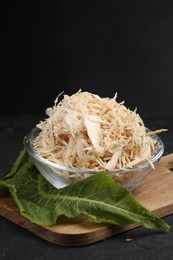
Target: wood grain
{"type": "Point", "coordinates": [156, 194]}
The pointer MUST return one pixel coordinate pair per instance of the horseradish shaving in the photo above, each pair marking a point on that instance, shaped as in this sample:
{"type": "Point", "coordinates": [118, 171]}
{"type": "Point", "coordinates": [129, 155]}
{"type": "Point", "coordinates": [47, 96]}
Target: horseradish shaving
{"type": "Point", "coordinates": [85, 131]}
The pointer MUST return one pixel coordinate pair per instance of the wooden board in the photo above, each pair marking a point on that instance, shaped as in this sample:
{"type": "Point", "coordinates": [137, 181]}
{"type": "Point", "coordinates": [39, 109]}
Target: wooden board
{"type": "Point", "coordinates": [156, 194]}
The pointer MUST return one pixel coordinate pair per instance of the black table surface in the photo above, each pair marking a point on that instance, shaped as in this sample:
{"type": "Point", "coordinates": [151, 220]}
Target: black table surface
{"type": "Point", "coordinates": [18, 243]}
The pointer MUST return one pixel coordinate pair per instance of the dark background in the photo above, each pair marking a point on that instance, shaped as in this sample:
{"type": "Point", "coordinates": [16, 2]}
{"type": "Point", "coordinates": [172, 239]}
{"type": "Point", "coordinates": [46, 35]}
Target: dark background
{"type": "Point", "coordinates": [102, 47]}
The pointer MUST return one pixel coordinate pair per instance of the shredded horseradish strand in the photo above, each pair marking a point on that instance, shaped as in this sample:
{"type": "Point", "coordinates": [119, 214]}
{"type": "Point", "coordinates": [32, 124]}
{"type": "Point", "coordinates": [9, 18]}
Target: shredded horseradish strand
{"type": "Point", "coordinates": [85, 131]}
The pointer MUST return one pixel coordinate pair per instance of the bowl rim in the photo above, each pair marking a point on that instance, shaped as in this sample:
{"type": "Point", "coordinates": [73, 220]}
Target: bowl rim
{"type": "Point", "coordinates": [29, 148]}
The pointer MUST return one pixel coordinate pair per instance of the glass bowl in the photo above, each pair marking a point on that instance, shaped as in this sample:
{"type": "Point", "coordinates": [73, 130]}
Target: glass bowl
{"type": "Point", "coordinates": [60, 176]}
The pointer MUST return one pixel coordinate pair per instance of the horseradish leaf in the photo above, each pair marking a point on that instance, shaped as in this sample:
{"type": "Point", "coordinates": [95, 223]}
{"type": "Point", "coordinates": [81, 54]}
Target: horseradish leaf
{"type": "Point", "coordinates": [97, 197]}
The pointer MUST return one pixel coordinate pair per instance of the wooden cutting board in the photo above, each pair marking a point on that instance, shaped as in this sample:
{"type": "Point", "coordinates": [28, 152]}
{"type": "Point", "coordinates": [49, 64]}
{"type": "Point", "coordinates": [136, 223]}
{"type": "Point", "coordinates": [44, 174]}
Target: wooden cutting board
{"type": "Point", "coordinates": [156, 194]}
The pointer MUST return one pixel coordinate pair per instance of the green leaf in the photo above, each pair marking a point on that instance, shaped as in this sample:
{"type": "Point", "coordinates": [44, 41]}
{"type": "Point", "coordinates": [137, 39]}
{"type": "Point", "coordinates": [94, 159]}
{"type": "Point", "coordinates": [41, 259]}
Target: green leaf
{"type": "Point", "coordinates": [97, 197]}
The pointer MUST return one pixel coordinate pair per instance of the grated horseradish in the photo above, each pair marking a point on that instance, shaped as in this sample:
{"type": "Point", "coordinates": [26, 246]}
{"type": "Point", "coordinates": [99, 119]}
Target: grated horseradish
{"type": "Point", "coordinates": [85, 131]}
